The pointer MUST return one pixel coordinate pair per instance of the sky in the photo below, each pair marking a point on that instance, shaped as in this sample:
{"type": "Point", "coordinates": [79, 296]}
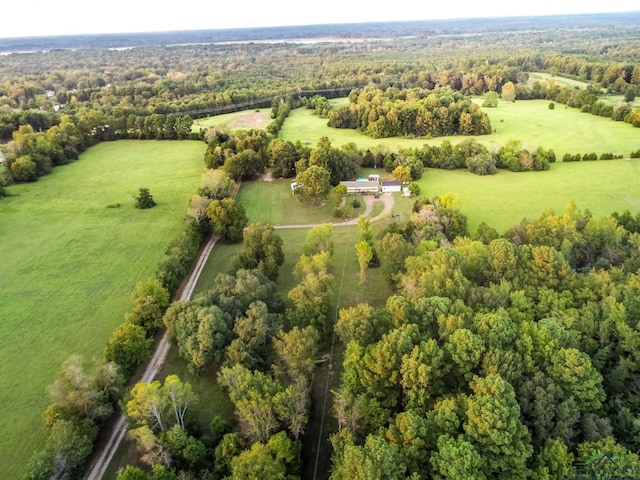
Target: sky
{"type": "Point", "coordinates": [69, 17]}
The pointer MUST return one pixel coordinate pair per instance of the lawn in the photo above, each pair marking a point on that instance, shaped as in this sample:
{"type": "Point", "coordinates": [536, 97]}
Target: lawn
{"type": "Point", "coordinates": [504, 199]}
{"type": "Point", "coordinates": [273, 202]}
{"type": "Point", "coordinates": [70, 263]}
{"type": "Point", "coordinates": [564, 129]}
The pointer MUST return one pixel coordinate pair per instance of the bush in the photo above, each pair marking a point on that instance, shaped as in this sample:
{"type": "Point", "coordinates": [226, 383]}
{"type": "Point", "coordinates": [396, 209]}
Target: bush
{"type": "Point", "coordinates": [552, 106]}
{"type": "Point", "coordinates": [356, 203]}
{"type": "Point", "coordinates": [590, 156]}
{"type": "Point", "coordinates": [635, 154]}
{"type": "Point", "coordinates": [607, 156]}
{"type": "Point", "coordinates": [341, 212]}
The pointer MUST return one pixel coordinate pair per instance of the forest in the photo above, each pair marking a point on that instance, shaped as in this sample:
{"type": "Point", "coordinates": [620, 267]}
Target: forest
{"type": "Point", "coordinates": [498, 355]}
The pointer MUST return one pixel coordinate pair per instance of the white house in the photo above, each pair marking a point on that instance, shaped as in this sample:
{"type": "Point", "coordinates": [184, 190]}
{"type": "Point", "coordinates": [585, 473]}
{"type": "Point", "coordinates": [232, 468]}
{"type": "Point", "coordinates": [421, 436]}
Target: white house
{"type": "Point", "coordinates": [391, 186]}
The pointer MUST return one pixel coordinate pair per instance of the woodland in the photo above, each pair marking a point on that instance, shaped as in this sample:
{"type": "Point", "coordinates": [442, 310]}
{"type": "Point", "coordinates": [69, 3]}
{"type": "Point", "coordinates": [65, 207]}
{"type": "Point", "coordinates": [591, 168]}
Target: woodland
{"type": "Point", "coordinates": [499, 355]}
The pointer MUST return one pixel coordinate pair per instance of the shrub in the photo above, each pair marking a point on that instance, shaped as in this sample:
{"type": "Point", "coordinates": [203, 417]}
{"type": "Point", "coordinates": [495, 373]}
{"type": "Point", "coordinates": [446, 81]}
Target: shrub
{"type": "Point", "coordinates": [635, 154]}
{"type": "Point", "coordinates": [607, 156]}
{"type": "Point", "coordinates": [552, 106]}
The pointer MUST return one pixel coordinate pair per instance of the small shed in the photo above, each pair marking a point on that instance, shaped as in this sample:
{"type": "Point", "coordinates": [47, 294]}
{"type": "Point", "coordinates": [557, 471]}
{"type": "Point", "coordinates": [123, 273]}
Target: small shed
{"type": "Point", "coordinates": [374, 177]}
{"type": "Point", "coordinates": [391, 186]}
{"type": "Point", "coordinates": [361, 186]}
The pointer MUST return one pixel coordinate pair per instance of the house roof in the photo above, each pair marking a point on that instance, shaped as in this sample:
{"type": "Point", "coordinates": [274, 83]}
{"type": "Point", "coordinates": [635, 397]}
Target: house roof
{"type": "Point", "coordinates": [360, 184]}
{"type": "Point", "coordinates": [391, 183]}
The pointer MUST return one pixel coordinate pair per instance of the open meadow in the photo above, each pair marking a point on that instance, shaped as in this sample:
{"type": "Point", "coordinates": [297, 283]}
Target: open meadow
{"type": "Point", "coordinates": [504, 199]}
{"type": "Point", "coordinates": [70, 264]}
{"type": "Point", "coordinates": [564, 129]}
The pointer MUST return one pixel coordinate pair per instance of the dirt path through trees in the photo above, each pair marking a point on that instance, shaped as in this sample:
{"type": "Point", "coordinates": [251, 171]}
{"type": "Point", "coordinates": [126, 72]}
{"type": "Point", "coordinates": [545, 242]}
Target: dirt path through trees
{"type": "Point", "coordinates": [99, 466]}
{"type": "Point", "coordinates": [97, 469]}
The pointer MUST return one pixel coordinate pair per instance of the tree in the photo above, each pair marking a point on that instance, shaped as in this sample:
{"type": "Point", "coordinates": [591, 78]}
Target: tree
{"type": "Point", "coordinates": [153, 452]}
{"type": "Point", "coordinates": [150, 300]}
{"type": "Point", "coordinates": [315, 183]}
{"type": "Point", "coordinates": [629, 94]}
{"type": "Point", "coordinates": [253, 331]}
{"type": "Point", "coordinates": [482, 164]}
{"type": "Point", "coordinates": [493, 426]}
{"type": "Point", "coordinates": [228, 219]}
{"type": "Point", "coordinates": [180, 397]}
{"type": "Point", "coordinates": [312, 295]}
{"type": "Point", "coordinates": [262, 250]}
{"type": "Point", "coordinates": [319, 240]}
{"type": "Point", "coordinates": [244, 165]}
{"type": "Point", "coordinates": [252, 393]}
{"type": "Point", "coordinates": [361, 324]}
{"type": "Point", "coordinates": [147, 405]}
{"type": "Point", "coordinates": [490, 100]}
{"type": "Point", "coordinates": [365, 254]}
{"type": "Point", "coordinates": [70, 443]}
{"type": "Point", "coordinates": [456, 458]}
{"type": "Point", "coordinates": [144, 199]}
{"type": "Point", "coordinates": [23, 169]}
{"type": "Point", "coordinates": [414, 189]}
{"type": "Point", "coordinates": [128, 347]}
{"type": "Point", "coordinates": [509, 92]}
{"type": "Point", "coordinates": [131, 473]}
{"type": "Point", "coordinates": [296, 353]}
{"type": "Point", "coordinates": [403, 174]}
{"type": "Point", "coordinates": [85, 394]}
{"type": "Point", "coordinates": [340, 191]}
{"type": "Point", "coordinates": [394, 249]}
{"type": "Point", "coordinates": [216, 185]}
{"type": "Point", "coordinates": [375, 459]}
{"type": "Point", "coordinates": [275, 460]}
{"type": "Point", "coordinates": [201, 332]}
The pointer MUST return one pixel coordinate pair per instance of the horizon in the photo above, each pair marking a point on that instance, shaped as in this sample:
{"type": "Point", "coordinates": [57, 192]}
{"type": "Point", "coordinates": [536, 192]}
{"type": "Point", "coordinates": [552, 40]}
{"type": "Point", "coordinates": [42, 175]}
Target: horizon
{"type": "Point", "coordinates": [68, 18]}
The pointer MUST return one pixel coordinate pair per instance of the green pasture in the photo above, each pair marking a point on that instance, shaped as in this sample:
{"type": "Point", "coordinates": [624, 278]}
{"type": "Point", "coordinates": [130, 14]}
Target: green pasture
{"type": "Point", "coordinates": [70, 264]}
{"type": "Point", "coordinates": [504, 199]}
{"type": "Point", "coordinates": [564, 129]}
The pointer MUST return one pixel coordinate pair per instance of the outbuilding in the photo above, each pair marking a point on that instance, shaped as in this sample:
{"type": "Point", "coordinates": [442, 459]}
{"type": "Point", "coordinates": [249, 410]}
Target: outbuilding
{"type": "Point", "coordinates": [361, 186]}
{"type": "Point", "coordinates": [391, 186]}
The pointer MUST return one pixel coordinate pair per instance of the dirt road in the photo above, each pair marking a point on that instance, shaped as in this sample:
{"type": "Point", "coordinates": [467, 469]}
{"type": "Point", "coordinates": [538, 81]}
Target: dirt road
{"type": "Point", "coordinates": [97, 469]}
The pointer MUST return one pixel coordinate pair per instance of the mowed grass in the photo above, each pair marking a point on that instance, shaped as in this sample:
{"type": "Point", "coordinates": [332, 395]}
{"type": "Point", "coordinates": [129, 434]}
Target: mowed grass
{"type": "Point", "coordinates": [564, 129]}
{"type": "Point", "coordinates": [504, 199]}
{"type": "Point", "coordinates": [273, 202]}
{"type": "Point", "coordinates": [69, 264]}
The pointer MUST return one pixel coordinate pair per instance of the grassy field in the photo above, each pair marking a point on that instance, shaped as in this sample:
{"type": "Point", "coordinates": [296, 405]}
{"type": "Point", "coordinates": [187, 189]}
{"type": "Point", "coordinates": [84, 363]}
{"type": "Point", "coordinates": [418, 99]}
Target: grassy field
{"type": "Point", "coordinates": [564, 129]}
{"type": "Point", "coordinates": [245, 119]}
{"type": "Point", "coordinates": [70, 263]}
{"type": "Point", "coordinates": [504, 199]}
